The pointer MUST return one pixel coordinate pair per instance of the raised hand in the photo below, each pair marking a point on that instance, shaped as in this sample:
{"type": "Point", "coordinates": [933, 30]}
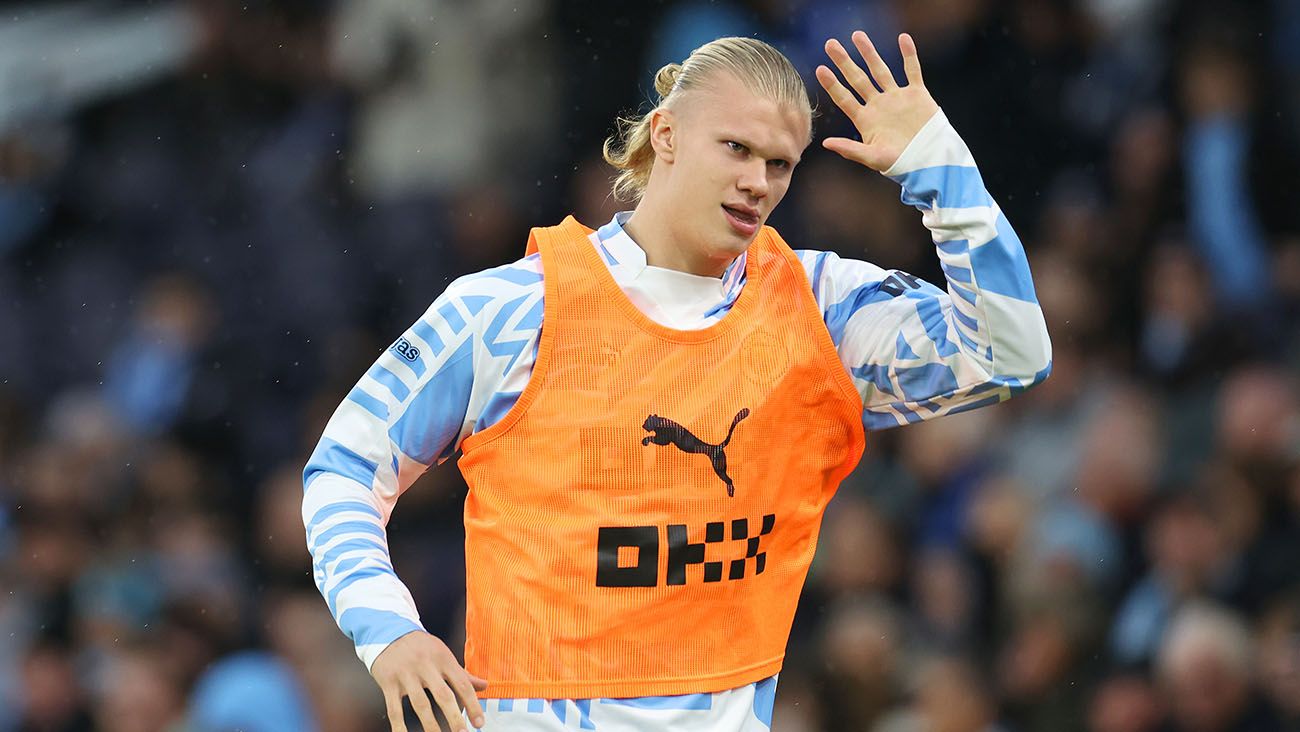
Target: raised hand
{"type": "Point", "coordinates": [418, 661]}
{"type": "Point", "coordinates": [886, 115]}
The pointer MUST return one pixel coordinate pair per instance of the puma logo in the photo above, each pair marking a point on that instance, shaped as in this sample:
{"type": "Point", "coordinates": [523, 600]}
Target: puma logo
{"type": "Point", "coordinates": [668, 432]}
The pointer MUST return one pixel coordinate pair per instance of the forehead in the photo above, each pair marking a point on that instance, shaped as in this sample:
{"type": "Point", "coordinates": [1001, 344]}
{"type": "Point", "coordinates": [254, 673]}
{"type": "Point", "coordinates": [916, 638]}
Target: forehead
{"type": "Point", "coordinates": [724, 105]}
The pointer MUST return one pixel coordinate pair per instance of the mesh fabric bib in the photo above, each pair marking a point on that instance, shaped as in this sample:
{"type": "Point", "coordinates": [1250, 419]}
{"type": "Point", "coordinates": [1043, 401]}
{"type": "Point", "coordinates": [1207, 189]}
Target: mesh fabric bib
{"type": "Point", "coordinates": [641, 522]}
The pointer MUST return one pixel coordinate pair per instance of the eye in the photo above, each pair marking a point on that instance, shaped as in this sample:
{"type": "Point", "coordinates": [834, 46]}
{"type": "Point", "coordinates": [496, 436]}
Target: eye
{"type": "Point", "coordinates": [736, 147]}
{"type": "Point", "coordinates": [779, 164]}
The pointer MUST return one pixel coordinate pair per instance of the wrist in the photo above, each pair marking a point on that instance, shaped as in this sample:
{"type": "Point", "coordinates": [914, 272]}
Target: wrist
{"type": "Point", "coordinates": [915, 152]}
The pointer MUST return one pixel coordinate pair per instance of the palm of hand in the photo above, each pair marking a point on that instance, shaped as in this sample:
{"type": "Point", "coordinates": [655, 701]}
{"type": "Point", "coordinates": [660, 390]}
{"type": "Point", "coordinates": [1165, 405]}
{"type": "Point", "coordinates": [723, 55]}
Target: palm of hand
{"type": "Point", "coordinates": [887, 116]}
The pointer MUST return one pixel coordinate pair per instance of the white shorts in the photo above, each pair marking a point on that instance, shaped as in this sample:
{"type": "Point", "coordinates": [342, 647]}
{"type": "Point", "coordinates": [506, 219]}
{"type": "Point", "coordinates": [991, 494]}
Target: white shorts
{"type": "Point", "coordinates": [744, 709]}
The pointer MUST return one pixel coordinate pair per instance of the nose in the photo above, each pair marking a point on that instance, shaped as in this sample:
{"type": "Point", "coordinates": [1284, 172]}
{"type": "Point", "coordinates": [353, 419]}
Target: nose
{"type": "Point", "coordinates": [753, 179]}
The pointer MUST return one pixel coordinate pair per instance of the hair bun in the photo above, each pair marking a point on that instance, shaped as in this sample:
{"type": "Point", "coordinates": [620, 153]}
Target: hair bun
{"type": "Point", "coordinates": [666, 79]}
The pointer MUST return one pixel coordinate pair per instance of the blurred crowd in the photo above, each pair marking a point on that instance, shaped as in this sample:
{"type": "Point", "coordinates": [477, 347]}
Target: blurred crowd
{"type": "Point", "coordinates": [199, 259]}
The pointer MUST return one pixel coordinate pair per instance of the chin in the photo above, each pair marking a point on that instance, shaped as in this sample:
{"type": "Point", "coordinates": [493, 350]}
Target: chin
{"type": "Point", "coordinates": [732, 244]}
{"type": "Point", "coordinates": [742, 245]}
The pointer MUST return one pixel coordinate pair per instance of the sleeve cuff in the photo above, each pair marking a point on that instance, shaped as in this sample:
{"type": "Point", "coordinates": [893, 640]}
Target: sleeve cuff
{"type": "Point", "coordinates": [370, 651]}
{"type": "Point", "coordinates": [936, 143]}
{"type": "Point", "coordinates": [374, 630]}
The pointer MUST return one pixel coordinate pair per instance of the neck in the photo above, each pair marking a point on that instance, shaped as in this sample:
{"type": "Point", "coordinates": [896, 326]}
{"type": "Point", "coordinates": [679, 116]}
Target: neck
{"type": "Point", "coordinates": [649, 227]}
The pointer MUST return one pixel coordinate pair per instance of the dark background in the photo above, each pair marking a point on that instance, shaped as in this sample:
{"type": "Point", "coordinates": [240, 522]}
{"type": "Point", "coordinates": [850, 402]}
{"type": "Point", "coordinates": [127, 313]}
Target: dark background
{"type": "Point", "coordinates": [214, 215]}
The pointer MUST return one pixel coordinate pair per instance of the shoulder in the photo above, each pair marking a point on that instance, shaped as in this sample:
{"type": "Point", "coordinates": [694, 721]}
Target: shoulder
{"type": "Point", "coordinates": [482, 296]}
{"type": "Point", "coordinates": [830, 275]}
{"type": "Point", "coordinates": [516, 277]}
{"type": "Point", "coordinates": [833, 277]}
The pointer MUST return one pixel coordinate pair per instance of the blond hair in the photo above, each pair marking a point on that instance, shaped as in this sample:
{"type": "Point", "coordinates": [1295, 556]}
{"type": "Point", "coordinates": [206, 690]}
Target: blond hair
{"type": "Point", "coordinates": [760, 67]}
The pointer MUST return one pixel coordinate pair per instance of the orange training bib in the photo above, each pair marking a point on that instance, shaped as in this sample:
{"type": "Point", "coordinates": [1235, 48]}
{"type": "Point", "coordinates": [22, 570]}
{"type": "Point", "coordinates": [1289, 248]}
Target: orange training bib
{"type": "Point", "coordinates": [641, 522]}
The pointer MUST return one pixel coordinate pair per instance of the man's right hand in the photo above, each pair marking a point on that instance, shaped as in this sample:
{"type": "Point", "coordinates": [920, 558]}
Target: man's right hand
{"type": "Point", "coordinates": [418, 661]}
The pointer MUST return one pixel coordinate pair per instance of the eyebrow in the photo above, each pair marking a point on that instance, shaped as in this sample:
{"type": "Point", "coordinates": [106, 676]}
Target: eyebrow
{"type": "Point", "coordinates": [744, 141]}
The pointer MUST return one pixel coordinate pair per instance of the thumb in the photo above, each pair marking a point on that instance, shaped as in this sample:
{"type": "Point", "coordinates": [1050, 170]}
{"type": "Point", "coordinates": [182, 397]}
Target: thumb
{"type": "Point", "coordinates": [846, 148]}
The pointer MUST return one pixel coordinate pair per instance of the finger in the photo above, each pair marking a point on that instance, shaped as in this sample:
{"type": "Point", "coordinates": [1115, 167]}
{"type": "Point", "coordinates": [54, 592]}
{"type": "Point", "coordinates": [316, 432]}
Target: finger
{"type": "Point", "coordinates": [479, 683]}
{"type": "Point", "coordinates": [911, 62]}
{"type": "Point", "coordinates": [853, 73]}
{"type": "Point", "coordinates": [875, 64]}
{"type": "Point", "coordinates": [846, 148]}
{"type": "Point", "coordinates": [446, 701]}
{"type": "Point", "coordinates": [393, 704]}
{"type": "Point", "coordinates": [420, 703]}
{"type": "Point", "coordinates": [842, 97]}
{"type": "Point", "coordinates": [460, 683]}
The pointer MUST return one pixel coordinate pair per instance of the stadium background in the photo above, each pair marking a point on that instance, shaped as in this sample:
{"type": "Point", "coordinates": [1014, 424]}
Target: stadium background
{"type": "Point", "coordinates": [215, 214]}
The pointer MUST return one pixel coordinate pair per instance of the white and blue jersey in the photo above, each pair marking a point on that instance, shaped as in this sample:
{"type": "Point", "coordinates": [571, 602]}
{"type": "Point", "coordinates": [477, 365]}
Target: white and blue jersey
{"type": "Point", "coordinates": [914, 352]}
{"type": "Point", "coordinates": [744, 709]}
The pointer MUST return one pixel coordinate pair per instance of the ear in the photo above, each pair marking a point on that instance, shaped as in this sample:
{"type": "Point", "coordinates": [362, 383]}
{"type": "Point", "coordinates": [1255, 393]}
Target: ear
{"type": "Point", "coordinates": [663, 132]}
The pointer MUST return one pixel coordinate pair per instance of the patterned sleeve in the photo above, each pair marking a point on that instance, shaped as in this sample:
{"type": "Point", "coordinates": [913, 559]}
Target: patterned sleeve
{"type": "Point", "coordinates": [410, 410]}
{"type": "Point", "coordinates": [915, 351]}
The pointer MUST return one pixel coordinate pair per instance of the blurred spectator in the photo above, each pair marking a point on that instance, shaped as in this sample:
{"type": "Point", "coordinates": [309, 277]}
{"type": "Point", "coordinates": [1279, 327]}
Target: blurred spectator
{"type": "Point", "coordinates": [150, 373]}
{"type": "Point", "coordinates": [861, 650]}
{"type": "Point", "coordinates": [1041, 664]}
{"type": "Point", "coordinates": [299, 629]}
{"type": "Point", "coordinates": [949, 698]}
{"type": "Point", "coordinates": [1217, 93]}
{"type": "Point", "coordinates": [443, 86]}
{"type": "Point", "coordinates": [1259, 424]}
{"type": "Point", "coordinates": [857, 217]}
{"type": "Point", "coordinates": [1205, 667]}
{"type": "Point", "coordinates": [277, 531]}
{"type": "Point", "coordinates": [134, 693]}
{"type": "Point", "coordinates": [1278, 658]}
{"type": "Point", "coordinates": [857, 552]}
{"type": "Point", "coordinates": [1189, 558]}
{"type": "Point", "coordinates": [947, 599]}
{"type": "Point", "coordinates": [252, 692]}
{"type": "Point", "coordinates": [1175, 335]}
{"type": "Point", "coordinates": [52, 700]}
{"type": "Point", "coordinates": [1125, 702]}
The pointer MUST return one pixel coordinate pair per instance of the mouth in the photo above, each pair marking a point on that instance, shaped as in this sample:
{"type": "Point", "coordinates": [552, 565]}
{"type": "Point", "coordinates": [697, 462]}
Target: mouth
{"type": "Point", "coordinates": [742, 218]}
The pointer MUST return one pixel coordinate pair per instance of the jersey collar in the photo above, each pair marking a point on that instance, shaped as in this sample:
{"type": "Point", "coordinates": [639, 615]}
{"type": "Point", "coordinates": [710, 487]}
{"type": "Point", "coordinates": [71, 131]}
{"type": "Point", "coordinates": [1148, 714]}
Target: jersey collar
{"type": "Point", "coordinates": [620, 252]}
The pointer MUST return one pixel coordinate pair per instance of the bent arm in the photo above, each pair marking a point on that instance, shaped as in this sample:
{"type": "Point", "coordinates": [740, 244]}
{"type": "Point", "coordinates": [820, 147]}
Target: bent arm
{"type": "Point", "coordinates": [404, 414]}
{"type": "Point", "coordinates": [410, 410]}
{"type": "Point", "coordinates": [914, 351]}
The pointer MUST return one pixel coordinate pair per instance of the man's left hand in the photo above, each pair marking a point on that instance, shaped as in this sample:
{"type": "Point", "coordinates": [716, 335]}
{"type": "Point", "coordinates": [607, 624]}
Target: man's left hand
{"type": "Point", "coordinates": [886, 115]}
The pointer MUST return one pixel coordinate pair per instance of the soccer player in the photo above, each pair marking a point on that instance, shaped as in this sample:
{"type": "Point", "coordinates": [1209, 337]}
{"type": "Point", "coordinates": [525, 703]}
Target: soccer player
{"type": "Point", "coordinates": [653, 415]}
